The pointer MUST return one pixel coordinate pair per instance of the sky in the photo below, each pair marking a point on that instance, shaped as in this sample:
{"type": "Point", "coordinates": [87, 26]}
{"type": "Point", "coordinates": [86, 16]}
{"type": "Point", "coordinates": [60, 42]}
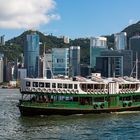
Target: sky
{"type": "Point", "coordinates": [72, 18]}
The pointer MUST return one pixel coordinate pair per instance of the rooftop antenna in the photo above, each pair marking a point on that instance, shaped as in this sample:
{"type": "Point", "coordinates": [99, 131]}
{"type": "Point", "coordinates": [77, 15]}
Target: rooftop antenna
{"type": "Point", "coordinates": [135, 67]}
{"type": "Point", "coordinates": [44, 63]}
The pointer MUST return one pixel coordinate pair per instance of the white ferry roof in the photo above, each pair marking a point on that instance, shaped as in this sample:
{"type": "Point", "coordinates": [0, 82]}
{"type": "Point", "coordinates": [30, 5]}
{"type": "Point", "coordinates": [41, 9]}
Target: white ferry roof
{"type": "Point", "coordinates": [84, 80]}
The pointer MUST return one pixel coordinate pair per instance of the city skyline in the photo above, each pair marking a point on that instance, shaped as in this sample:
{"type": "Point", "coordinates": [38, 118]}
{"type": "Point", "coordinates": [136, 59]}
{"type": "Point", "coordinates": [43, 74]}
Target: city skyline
{"type": "Point", "coordinates": [80, 18]}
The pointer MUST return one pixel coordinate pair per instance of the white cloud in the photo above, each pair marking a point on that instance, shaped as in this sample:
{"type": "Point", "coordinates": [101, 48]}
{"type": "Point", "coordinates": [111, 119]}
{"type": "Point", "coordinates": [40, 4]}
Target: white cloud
{"type": "Point", "coordinates": [17, 14]}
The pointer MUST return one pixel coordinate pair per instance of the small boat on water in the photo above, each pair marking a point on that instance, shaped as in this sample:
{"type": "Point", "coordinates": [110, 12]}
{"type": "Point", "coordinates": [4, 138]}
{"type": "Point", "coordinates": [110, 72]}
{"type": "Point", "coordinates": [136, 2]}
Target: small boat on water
{"type": "Point", "coordinates": [63, 96]}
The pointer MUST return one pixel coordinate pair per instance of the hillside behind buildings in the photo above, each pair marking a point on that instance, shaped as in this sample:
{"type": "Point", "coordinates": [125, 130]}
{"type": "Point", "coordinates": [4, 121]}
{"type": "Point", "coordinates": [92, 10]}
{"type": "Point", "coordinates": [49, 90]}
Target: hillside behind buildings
{"type": "Point", "coordinates": [14, 47]}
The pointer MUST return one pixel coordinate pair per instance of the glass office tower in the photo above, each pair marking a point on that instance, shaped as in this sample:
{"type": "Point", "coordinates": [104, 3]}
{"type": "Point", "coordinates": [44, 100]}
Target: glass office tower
{"type": "Point", "coordinates": [74, 60]}
{"type": "Point", "coordinates": [120, 41]}
{"type": "Point", "coordinates": [31, 55]}
{"type": "Point", "coordinates": [60, 61]}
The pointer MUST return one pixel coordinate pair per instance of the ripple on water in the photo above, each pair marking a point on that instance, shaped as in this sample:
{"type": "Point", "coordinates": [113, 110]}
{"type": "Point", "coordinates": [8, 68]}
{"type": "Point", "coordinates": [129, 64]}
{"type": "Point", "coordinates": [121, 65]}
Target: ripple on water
{"type": "Point", "coordinates": [84, 127]}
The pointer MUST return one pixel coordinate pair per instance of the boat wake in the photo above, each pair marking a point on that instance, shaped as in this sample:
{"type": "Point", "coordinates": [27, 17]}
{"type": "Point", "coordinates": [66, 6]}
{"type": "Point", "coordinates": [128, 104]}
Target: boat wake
{"type": "Point", "coordinates": [126, 112]}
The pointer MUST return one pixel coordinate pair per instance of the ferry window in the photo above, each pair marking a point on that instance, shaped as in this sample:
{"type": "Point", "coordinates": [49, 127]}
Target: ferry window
{"type": "Point", "coordinates": [64, 85]}
{"type": "Point", "coordinates": [83, 86]}
{"type": "Point", "coordinates": [59, 85]}
{"type": "Point", "coordinates": [106, 86]}
{"type": "Point", "coordinates": [133, 86]}
{"type": "Point", "coordinates": [128, 98]}
{"type": "Point", "coordinates": [99, 99]}
{"type": "Point", "coordinates": [41, 84]}
{"type": "Point", "coordinates": [35, 84]}
{"type": "Point", "coordinates": [97, 86]}
{"type": "Point", "coordinates": [89, 86]}
{"type": "Point", "coordinates": [47, 85]}
{"type": "Point", "coordinates": [120, 86]}
{"type": "Point", "coordinates": [75, 86]}
{"type": "Point", "coordinates": [53, 85]}
{"type": "Point", "coordinates": [27, 84]}
{"type": "Point", "coordinates": [70, 86]}
{"type": "Point", "coordinates": [102, 86]}
{"type": "Point", "coordinates": [136, 98]}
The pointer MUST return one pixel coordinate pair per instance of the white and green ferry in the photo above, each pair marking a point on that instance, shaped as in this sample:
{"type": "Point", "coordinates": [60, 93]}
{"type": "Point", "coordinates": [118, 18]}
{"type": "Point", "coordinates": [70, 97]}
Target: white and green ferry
{"type": "Point", "coordinates": [63, 96]}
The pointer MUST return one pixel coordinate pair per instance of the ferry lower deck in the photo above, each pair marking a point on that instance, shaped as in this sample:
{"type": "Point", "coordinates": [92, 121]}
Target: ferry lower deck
{"type": "Point", "coordinates": [67, 104]}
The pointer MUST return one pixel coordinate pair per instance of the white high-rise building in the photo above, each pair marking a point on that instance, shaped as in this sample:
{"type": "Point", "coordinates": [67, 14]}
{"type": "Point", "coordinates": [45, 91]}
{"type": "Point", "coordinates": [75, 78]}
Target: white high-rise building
{"type": "Point", "coordinates": [120, 41]}
{"type": "Point", "coordinates": [1, 70]}
{"type": "Point", "coordinates": [98, 42]}
{"type": "Point", "coordinates": [66, 40]}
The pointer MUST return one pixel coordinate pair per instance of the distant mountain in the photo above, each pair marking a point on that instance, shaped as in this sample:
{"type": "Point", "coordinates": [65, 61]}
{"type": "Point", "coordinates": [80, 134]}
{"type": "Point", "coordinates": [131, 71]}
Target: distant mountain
{"type": "Point", "coordinates": [16, 44]}
{"type": "Point", "coordinates": [131, 30]}
{"type": "Point", "coordinates": [53, 42]}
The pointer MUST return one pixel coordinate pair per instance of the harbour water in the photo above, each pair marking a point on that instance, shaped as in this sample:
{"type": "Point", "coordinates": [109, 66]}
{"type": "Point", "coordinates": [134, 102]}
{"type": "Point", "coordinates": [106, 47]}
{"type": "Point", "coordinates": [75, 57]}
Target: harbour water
{"type": "Point", "coordinates": [76, 127]}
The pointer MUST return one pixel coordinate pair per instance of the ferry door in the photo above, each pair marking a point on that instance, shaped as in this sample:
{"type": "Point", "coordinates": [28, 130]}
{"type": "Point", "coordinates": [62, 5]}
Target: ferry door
{"type": "Point", "coordinates": [112, 88]}
{"type": "Point", "coordinates": [111, 91]}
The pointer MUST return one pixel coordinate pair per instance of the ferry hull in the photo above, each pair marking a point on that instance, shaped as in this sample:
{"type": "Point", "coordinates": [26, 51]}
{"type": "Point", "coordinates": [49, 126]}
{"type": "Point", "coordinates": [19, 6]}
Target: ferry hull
{"type": "Point", "coordinates": [30, 111]}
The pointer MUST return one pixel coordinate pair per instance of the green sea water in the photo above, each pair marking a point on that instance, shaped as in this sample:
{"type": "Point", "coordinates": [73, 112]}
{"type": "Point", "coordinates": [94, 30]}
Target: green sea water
{"type": "Point", "coordinates": [75, 127]}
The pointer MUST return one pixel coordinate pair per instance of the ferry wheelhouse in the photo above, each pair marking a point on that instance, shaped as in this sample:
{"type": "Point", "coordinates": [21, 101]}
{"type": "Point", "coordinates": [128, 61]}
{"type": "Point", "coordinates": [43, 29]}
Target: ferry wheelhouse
{"type": "Point", "coordinates": [79, 95]}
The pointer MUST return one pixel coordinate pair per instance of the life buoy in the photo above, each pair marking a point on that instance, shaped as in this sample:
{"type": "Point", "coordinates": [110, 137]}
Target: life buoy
{"type": "Point", "coordinates": [75, 91]}
{"type": "Point", "coordinates": [106, 91]}
{"type": "Point", "coordinates": [102, 105]}
{"type": "Point", "coordinates": [44, 90]}
{"type": "Point", "coordinates": [88, 91]}
{"type": "Point", "coordinates": [124, 104]}
{"type": "Point", "coordinates": [95, 106]}
{"type": "Point", "coordinates": [54, 90]}
{"type": "Point", "coordinates": [33, 89]}
{"type": "Point", "coordinates": [59, 91]}
{"type": "Point", "coordinates": [71, 91]}
{"type": "Point", "coordinates": [27, 89]}
{"type": "Point", "coordinates": [129, 104]}
{"type": "Point", "coordinates": [39, 90]}
{"type": "Point", "coordinates": [49, 90]}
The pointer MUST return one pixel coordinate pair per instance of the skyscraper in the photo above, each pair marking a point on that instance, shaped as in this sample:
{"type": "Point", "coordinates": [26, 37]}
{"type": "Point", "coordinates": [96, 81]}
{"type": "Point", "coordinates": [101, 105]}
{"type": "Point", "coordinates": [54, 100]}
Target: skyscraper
{"type": "Point", "coordinates": [60, 61]}
{"type": "Point", "coordinates": [114, 63]}
{"type": "Point", "coordinates": [120, 41]}
{"type": "Point", "coordinates": [134, 45]}
{"type": "Point", "coordinates": [47, 65]}
{"type": "Point", "coordinates": [31, 54]}
{"type": "Point", "coordinates": [97, 44]}
{"type": "Point", "coordinates": [2, 42]}
{"type": "Point", "coordinates": [1, 69]}
{"type": "Point", "coordinates": [75, 60]}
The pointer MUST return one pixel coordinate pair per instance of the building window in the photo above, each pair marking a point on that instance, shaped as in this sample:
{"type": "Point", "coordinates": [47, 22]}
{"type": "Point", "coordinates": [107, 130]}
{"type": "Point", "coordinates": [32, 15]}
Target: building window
{"type": "Point", "coordinates": [27, 84]}
{"type": "Point", "coordinates": [35, 84]}
{"type": "Point", "coordinates": [47, 85]}
{"type": "Point", "coordinates": [60, 60]}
